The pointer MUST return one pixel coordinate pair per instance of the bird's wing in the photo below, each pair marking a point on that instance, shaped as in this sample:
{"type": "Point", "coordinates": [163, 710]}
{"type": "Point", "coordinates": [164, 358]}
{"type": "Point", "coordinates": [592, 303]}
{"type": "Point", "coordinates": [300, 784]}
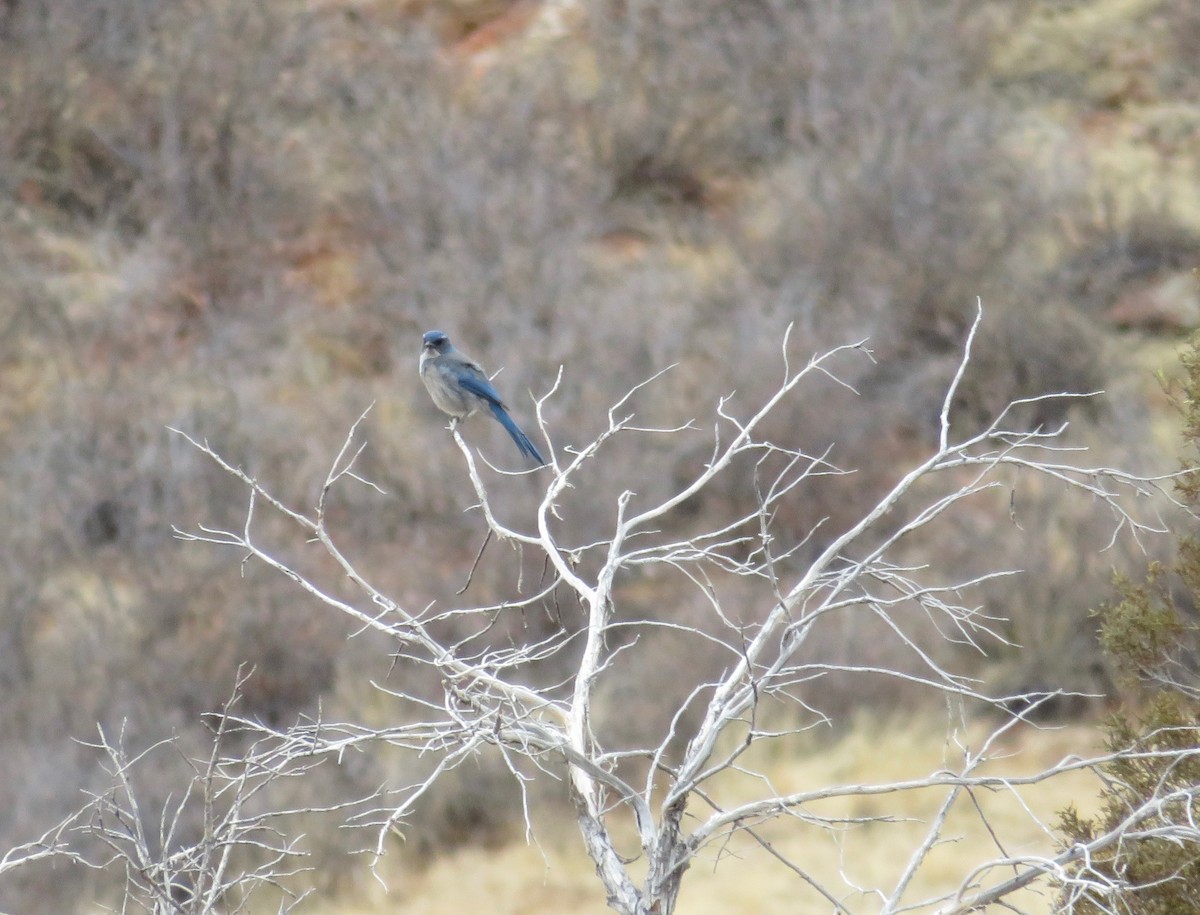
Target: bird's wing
{"type": "Point", "coordinates": [471, 377]}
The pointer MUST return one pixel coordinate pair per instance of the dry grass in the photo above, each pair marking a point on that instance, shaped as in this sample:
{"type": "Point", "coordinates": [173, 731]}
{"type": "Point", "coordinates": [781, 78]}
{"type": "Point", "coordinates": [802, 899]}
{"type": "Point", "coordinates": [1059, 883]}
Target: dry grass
{"type": "Point", "coordinates": [557, 877]}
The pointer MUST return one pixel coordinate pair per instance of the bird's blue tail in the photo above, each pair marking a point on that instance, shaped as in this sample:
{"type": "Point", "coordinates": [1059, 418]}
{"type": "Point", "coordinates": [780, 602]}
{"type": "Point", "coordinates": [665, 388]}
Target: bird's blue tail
{"type": "Point", "coordinates": [527, 447]}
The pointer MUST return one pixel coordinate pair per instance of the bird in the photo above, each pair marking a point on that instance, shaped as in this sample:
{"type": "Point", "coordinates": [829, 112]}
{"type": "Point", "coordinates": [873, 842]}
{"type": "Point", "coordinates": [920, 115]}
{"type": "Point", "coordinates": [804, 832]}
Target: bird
{"type": "Point", "coordinates": [459, 388]}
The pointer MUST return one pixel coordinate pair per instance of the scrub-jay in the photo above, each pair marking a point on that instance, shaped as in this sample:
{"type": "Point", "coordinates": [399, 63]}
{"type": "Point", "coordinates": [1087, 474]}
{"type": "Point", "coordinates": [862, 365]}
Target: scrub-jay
{"type": "Point", "coordinates": [459, 387]}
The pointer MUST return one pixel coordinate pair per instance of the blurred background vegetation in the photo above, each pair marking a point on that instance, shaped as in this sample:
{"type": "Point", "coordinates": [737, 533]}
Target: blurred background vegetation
{"type": "Point", "coordinates": [237, 218]}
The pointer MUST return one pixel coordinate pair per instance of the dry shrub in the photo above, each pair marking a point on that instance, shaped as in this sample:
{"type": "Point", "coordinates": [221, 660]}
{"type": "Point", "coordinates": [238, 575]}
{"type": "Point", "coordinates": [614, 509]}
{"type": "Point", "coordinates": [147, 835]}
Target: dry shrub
{"type": "Point", "coordinates": [685, 90]}
{"type": "Point", "coordinates": [161, 119]}
{"type": "Point", "coordinates": [1115, 252]}
{"type": "Point", "coordinates": [1183, 25]}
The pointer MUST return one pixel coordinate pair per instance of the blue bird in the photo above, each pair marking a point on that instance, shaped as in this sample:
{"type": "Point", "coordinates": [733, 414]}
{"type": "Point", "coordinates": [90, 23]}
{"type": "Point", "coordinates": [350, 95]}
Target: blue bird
{"type": "Point", "coordinates": [460, 388]}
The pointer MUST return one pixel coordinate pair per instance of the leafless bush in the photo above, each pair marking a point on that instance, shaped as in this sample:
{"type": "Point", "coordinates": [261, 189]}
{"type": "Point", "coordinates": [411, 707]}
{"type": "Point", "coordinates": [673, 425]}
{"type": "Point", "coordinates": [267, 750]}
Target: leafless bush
{"type": "Point", "coordinates": [1115, 252]}
{"type": "Point", "coordinates": [684, 91]}
{"type": "Point", "coordinates": [1183, 24]}
{"type": "Point", "coordinates": [210, 848]}
{"type": "Point", "coordinates": [160, 120]}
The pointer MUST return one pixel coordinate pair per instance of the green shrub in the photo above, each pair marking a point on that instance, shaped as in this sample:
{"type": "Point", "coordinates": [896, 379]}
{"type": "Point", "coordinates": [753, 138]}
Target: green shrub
{"type": "Point", "coordinates": [1150, 635]}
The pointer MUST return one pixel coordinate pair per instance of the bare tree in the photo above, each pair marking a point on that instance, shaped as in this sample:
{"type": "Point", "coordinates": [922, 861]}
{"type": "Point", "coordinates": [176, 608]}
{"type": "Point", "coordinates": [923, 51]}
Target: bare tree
{"type": "Point", "coordinates": [499, 694]}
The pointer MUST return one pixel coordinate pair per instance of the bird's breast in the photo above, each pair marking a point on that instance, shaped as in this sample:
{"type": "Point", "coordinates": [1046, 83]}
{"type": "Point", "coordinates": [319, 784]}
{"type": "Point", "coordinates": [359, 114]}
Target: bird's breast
{"type": "Point", "coordinates": [443, 387]}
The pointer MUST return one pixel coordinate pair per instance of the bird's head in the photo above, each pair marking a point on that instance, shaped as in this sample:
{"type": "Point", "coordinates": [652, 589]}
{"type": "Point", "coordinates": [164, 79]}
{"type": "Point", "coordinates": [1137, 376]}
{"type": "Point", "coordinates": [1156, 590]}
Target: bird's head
{"type": "Point", "coordinates": [435, 343]}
